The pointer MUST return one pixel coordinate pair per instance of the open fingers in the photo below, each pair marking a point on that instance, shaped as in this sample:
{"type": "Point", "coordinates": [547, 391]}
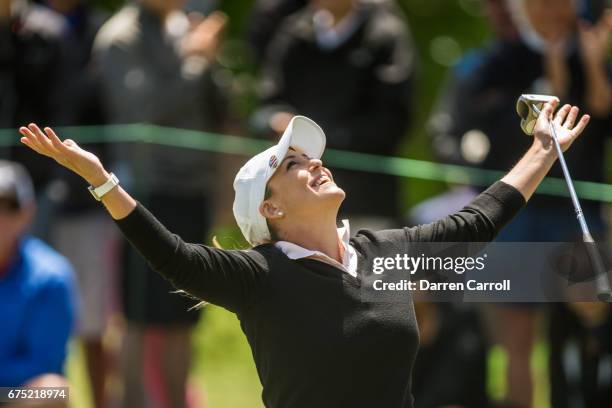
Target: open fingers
{"type": "Point", "coordinates": [29, 140]}
{"type": "Point", "coordinates": [546, 114]}
{"type": "Point", "coordinates": [571, 118]}
{"type": "Point", "coordinates": [55, 140]}
{"type": "Point", "coordinates": [42, 139]}
{"type": "Point", "coordinates": [561, 114]}
{"type": "Point", "coordinates": [584, 120]}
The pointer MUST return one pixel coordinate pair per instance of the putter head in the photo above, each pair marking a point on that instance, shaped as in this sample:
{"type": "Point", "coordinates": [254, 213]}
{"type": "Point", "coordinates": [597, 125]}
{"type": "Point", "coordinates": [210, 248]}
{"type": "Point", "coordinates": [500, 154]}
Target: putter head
{"type": "Point", "coordinates": [524, 108]}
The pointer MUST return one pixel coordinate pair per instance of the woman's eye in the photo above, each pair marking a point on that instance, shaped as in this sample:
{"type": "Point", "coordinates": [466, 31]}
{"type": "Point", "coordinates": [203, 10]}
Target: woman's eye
{"type": "Point", "coordinates": [290, 164]}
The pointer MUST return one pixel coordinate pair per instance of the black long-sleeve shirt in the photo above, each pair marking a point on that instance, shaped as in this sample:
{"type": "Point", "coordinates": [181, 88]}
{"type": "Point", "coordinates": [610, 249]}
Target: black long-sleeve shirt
{"type": "Point", "coordinates": [314, 341]}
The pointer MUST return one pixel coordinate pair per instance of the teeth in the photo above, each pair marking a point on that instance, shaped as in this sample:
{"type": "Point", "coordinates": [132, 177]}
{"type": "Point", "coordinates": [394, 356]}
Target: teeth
{"type": "Point", "coordinates": [321, 180]}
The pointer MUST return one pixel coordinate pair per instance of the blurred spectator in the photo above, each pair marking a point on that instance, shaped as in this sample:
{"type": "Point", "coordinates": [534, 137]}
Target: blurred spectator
{"type": "Point", "coordinates": [79, 95]}
{"type": "Point", "coordinates": [29, 67]}
{"type": "Point", "coordinates": [475, 123]}
{"type": "Point", "coordinates": [500, 20]}
{"type": "Point", "coordinates": [581, 355]}
{"type": "Point", "coordinates": [76, 225]}
{"type": "Point", "coordinates": [266, 16]}
{"type": "Point", "coordinates": [157, 66]}
{"type": "Point", "coordinates": [37, 293]}
{"type": "Point", "coordinates": [347, 65]}
{"type": "Point", "coordinates": [451, 366]}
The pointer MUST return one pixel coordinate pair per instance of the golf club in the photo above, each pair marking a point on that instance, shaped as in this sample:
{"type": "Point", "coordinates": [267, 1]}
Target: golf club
{"type": "Point", "coordinates": [529, 107]}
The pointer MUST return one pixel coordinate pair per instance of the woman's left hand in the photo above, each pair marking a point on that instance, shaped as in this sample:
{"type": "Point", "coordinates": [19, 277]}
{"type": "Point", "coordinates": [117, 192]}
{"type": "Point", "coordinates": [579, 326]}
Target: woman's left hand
{"type": "Point", "coordinates": [566, 127]}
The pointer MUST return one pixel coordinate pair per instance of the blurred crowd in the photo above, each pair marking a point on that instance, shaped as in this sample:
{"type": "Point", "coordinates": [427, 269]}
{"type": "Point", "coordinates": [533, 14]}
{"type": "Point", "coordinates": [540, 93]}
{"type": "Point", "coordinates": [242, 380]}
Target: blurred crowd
{"type": "Point", "coordinates": [352, 66]}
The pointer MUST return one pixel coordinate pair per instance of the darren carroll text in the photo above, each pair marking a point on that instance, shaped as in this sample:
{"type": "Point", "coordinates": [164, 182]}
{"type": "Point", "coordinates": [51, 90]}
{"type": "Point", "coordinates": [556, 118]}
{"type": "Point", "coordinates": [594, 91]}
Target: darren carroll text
{"type": "Point", "coordinates": [472, 285]}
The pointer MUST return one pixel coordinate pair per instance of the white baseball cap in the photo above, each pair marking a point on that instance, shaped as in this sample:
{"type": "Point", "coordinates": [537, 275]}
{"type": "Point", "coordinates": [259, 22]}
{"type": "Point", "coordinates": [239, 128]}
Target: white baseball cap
{"type": "Point", "coordinates": [250, 182]}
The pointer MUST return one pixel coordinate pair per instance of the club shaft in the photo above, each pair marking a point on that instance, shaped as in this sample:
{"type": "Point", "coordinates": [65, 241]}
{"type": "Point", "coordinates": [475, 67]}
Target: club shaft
{"type": "Point", "coordinates": [601, 276]}
{"type": "Point", "coordinates": [570, 185]}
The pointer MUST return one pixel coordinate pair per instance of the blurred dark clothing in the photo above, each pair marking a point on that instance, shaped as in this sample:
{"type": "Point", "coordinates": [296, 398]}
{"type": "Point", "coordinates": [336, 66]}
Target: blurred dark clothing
{"type": "Point", "coordinates": [451, 369]}
{"type": "Point", "coordinates": [264, 20]}
{"type": "Point", "coordinates": [29, 57]}
{"type": "Point", "coordinates": [145, 79]}
{"type": "Point", "coordinates": [359, 91]}
{"type": "Point", "coordinates": [580, 361]}
{"type": "Point", "coordinates": [79, 101]}
{"type": "Point", "coordinates": [29, 72]}
{"type": "Point", "coordinates": [481, 95]}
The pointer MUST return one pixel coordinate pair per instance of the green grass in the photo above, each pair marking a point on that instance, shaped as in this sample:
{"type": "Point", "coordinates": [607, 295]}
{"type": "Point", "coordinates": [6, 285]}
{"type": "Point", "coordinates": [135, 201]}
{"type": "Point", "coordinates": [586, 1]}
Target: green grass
{"type": "Point", "coordinates": [223, 362]}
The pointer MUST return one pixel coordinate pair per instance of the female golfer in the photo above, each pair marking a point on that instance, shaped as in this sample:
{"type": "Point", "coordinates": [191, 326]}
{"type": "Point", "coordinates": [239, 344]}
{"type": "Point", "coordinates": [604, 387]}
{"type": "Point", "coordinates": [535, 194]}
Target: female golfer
{"type": "Point", "coordinates": [297, 291]}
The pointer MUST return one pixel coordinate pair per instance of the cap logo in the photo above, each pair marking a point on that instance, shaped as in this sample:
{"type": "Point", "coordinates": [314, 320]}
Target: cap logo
{"type": "Point", "coordinates": [273, 161]}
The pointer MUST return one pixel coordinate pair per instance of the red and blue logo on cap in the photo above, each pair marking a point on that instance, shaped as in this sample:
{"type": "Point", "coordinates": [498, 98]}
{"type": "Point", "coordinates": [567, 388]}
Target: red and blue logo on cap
{"type": "Point", "coordinates": [273, 161]}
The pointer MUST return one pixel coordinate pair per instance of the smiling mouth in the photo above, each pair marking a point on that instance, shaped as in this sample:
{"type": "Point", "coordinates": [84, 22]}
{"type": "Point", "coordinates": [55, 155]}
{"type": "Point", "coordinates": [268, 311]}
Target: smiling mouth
{"type": "Point", "coordinates": [321, 180]}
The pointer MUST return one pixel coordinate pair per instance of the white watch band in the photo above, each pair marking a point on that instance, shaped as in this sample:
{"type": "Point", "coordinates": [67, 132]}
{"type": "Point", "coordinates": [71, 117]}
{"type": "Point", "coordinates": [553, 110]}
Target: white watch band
{"type": "Point", "coordinates": [101, 191]}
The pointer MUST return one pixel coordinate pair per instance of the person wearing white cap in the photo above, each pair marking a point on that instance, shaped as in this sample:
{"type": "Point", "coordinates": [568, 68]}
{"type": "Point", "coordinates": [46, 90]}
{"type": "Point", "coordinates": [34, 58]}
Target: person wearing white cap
{"type": "Point", "coordinates": [297, 292]}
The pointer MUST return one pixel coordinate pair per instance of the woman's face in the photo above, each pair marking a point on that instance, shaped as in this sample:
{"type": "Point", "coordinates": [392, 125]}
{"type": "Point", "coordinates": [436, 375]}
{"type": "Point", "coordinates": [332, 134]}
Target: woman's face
{"type": "Point", "coordinates": [553, 20]}
{"type": "Point", "coordinates": [301, 188]}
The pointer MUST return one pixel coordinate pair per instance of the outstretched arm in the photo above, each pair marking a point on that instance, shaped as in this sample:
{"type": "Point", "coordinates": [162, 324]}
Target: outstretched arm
{"type": "Point", "coordinates": [67, 153]}
{"type": "Point", "coordinates": [486, 215]}
{"type": "Point", "coordinates": [226, 278]}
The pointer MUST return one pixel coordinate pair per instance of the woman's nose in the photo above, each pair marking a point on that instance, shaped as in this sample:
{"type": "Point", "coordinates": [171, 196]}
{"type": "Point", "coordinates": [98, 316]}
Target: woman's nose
{"type": "Point", "coordinates": [315, 163]}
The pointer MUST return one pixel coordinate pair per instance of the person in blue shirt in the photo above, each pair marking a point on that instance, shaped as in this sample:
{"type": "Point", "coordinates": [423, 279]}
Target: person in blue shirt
{"type": "Point", "coordinates": [37, 292]}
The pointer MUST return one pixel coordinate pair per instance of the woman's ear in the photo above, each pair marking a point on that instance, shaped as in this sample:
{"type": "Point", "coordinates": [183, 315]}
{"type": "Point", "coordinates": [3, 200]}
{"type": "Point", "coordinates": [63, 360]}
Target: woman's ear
{"type": "Point", "coordinates": [270, 210]}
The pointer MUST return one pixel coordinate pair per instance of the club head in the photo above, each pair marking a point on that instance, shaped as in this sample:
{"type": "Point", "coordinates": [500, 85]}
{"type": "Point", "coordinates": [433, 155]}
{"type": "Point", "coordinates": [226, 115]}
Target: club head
{"type": "Point", "coordinates": [525, 109]}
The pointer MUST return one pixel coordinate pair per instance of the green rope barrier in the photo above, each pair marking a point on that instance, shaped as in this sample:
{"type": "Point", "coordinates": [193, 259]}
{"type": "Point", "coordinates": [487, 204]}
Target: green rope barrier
{"type": "Point", "coordinates": [227, 144]}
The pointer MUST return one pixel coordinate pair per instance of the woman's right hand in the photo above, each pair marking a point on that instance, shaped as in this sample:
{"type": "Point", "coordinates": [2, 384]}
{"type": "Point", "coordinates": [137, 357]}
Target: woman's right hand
{"type": "Point", "coordinates": [66, 153]}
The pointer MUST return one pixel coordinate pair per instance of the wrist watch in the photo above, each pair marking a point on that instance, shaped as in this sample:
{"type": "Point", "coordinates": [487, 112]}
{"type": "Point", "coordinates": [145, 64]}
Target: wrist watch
{"type": "Point", "coordinates": [101, 191]}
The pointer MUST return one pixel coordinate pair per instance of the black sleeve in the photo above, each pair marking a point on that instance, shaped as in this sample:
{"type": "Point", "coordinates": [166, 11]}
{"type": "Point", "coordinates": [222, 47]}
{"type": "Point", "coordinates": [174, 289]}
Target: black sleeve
{"type": "Point", "coordinates": [228, 278]}
{"type": "Point", "coordinates": [479, 221]}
